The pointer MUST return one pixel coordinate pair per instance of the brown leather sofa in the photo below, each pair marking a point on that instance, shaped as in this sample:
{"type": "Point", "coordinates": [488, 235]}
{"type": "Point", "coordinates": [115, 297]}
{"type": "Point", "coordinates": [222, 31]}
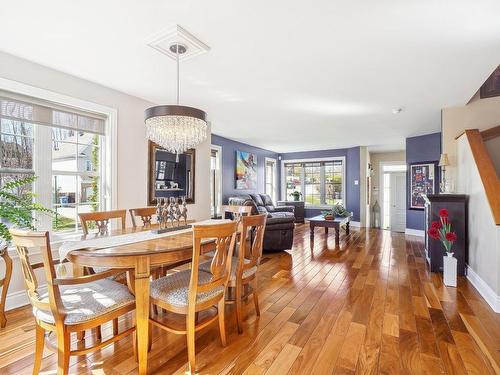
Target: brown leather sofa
{"type": "Point", "coordinates": [280, 222]}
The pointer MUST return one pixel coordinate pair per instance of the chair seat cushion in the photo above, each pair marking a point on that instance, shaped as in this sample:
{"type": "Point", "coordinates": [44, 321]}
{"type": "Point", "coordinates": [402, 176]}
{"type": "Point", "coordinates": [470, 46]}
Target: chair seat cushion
{"type": "Point", "coordinates": [234, 265]}
{"type": "Point", "coordinates": [87, 301]}
{"type": "Point", "coordinates": [174, 288]}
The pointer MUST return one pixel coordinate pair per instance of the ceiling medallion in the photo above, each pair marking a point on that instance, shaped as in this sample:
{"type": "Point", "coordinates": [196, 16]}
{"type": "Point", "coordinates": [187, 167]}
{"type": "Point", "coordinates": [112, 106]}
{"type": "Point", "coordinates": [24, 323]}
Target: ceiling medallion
{"type": "Point", "coordinates": [176, 128]}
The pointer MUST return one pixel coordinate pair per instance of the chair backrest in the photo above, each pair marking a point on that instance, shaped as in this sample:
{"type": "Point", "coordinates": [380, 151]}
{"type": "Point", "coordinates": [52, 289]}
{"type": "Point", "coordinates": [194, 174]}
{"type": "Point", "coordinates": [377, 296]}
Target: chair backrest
{"type": "Point", "coordinates": [24, 240]}
{"type": "Point", "coordinates": [101, 219]}
{"type": "Point", "coordinates": [252, 237]}
{"type": "Point", "coordinates": [237, 212]}
{"type": "Point", "coordinates": [145, 213]}
{"type": "Point", "coordinates": [224, 236]}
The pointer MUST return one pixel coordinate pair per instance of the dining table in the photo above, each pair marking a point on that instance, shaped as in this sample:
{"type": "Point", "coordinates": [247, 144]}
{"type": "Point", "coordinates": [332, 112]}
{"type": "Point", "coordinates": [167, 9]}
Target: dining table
{"type": "Point", "coordinates": [138, 259]}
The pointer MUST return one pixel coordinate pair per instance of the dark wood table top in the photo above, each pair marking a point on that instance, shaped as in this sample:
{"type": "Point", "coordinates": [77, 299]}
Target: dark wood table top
{"type": "Point", "coordinates": [338, 219]}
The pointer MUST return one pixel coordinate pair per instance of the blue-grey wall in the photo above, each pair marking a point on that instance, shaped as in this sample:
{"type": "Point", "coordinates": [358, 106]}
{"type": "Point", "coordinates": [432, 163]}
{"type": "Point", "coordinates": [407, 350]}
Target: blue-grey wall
{"type": "Point", "coordinates": [420, 149]}
{"type": "Point", "coordinates": [229, 148]}
{"type": "Point", "coordinates": [352, 157]}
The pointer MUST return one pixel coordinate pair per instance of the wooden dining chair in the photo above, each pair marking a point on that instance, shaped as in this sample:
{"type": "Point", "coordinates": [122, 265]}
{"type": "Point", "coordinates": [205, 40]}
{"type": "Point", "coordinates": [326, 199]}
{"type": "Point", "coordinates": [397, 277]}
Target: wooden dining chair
{"type": "Point", "coordinates": [145, 213]}
{"type": "Point", "coordinates": [243, 280]}
{"type": "Point", "coordinates": [191, 291]}
{"type": "Point", "coordinates": [101, 220]}
{"type": "Point", "coordinates": [70, 304]}
{"type": "Point", "coordinates": [4, 283]}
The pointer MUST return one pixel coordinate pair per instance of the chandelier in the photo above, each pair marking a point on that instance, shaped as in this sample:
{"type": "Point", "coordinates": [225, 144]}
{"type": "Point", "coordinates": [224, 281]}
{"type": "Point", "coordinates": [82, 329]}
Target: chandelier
{"type": "Point", "coordinates": [176, 128]}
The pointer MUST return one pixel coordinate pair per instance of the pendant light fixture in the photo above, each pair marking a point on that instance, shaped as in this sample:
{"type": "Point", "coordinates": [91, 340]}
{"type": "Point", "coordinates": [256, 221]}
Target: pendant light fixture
{"type": "Point", "coordinates": [176, 128]}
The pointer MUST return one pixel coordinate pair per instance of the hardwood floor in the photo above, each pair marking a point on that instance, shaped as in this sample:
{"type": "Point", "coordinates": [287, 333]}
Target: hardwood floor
{"type": "Point", "coordinates": [368, 307]}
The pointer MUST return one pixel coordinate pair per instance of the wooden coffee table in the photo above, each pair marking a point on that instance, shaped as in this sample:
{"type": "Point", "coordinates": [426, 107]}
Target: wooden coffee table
{"type": "Point", "coordinates": [320, 221]}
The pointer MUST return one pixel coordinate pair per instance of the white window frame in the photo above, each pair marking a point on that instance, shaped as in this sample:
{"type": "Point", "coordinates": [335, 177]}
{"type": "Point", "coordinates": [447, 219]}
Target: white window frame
{"type": "Point", "coordinates": [274, 194]}
{"type": "Point", "coordinates": [109, 146]}
{"type": "Point", "coordinates": [312, 160]}
{"type": "Point", "coordinates": [219, 176]}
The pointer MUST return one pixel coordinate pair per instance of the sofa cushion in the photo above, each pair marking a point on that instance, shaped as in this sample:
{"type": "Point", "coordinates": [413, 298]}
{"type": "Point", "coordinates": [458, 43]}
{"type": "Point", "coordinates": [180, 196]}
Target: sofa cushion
{"type": "Point", "coordinates": [244, 200]}
{"type": "Point", "coordinates": [280, 218]}
{"type": "Point", "coordinates": [257, 199]}
{"type": "Point", "coordinates": [267, 200]}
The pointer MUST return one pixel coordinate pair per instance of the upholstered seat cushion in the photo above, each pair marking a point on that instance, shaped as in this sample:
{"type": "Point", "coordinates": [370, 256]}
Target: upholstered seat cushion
{"type": "Point", "coordinates": [87, 301]}
{"type": "Point", "coordinates": [174, 288]}
{"type": "Point", "coordinates": [234, 265]}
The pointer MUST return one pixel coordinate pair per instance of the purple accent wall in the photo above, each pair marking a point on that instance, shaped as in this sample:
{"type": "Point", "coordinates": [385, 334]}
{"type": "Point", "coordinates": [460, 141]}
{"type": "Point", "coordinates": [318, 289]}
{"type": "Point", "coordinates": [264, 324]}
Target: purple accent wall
{"type": "Point", "coordinates": [420, 149]}
{"type": "Point", "coordinates": [229, 148]}
{"type": "Point", "coordinates": [352, 157]}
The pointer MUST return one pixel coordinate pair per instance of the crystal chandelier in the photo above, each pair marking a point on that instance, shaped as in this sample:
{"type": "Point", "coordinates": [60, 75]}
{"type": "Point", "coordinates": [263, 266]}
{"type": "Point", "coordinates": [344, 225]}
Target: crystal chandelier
{"type": "Point", "coordinates": [176, 128]}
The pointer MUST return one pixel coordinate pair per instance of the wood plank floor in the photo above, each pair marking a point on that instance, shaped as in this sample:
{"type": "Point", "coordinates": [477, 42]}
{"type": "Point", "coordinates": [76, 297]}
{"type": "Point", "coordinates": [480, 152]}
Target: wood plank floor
{"type": "Point", "coordinates": [367, 307]}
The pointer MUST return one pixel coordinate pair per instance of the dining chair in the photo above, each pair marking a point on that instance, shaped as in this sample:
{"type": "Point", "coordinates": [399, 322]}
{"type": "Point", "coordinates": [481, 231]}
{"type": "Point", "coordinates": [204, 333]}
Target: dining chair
{"type": "Point", "coordinates": [70, 304]}
{"type": "Point", "coordinates": [4, 284]}
{"type": "Point", "coordinates": [243, 280]}
{"type": "Point", "coordinates": [101, 220]}
{"type": "Point", "coordinates": [236, 212]}
{"type": "Point", "coordinates": [191, 291]}
{"type": "Point", "coordinates": [145, 213]}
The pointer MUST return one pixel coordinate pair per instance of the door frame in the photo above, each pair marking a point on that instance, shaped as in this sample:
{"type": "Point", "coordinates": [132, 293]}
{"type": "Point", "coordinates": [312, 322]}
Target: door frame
{"type": "Point", "coordinates": [381, 165]}
{"type": "Point", "coordinates": [275, 196]}
{"type": "Point", "coordinates": [219, 165]}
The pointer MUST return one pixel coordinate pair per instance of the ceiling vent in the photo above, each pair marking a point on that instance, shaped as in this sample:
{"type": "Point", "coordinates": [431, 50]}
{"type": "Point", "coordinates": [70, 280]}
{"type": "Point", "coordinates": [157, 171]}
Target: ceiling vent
{"type": "Point", "coordinates": [168, 37]}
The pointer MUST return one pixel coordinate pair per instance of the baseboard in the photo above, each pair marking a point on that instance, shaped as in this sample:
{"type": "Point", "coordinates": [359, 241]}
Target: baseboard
{"type": "Point", "coordinates": [356, 224]}
{"type": "Point", "coordinates": [484, 289]}
{"type": "Point", "coordinates": [415, 232]}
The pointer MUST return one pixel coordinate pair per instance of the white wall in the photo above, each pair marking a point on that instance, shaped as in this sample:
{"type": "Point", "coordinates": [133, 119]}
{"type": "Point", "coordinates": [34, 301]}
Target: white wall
{"type": "Point", "coordinates": [132, 153]}
{"type": "Point", "coordinates": [484, 235]}
{"type": "Point", "coordinates": [493, 146]}
{"type": "Point", "coordinates": [363, 166]}
{"type": "Point", "coordinates": [479, 114]}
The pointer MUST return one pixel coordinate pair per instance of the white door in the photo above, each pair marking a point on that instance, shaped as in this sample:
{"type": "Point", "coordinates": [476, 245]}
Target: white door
{"type": "Point", "coordinates": [398, 202]}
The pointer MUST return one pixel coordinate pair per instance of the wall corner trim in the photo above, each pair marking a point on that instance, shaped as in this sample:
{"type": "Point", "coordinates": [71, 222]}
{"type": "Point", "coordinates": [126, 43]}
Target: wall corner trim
{"type": "Point", "coordinates": [484, 289]}
{"type": "Point", "coordinates": [414, 232]}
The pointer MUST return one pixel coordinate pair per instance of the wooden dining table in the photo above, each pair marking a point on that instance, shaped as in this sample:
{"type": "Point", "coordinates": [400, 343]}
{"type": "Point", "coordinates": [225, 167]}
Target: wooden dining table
{"type": "Point", "coordinates": [138, 259]}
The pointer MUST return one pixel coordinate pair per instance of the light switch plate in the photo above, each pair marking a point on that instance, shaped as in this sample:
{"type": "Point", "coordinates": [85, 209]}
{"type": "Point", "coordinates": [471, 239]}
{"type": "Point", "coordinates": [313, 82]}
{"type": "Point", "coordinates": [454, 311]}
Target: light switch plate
{"type": "Point", "coordinates": [356, 182]}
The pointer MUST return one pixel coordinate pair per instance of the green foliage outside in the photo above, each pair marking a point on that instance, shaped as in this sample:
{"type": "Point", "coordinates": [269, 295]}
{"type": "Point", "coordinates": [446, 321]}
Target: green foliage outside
{"type": "Point", "coordinates": [17, 207]}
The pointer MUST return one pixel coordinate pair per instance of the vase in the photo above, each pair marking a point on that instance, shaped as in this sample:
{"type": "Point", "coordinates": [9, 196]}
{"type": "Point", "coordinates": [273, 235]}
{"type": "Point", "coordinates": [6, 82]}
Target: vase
{"type": "Point", "coordinates": [296, 198]}
{"type": "Point", "coordinates": [450, 270]}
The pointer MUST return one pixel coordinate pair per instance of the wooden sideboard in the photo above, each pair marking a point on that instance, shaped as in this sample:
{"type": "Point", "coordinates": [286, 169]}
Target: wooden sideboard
{"type": "Point", "coordinates": [300, 210]}
{"type": "Point", "coordinates": [456, 204]}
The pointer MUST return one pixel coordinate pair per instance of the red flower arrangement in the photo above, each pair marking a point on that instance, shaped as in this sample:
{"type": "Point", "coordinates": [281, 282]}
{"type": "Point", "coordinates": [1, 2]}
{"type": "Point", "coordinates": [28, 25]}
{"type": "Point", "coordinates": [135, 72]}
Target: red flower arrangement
{"type": "Point", "coordinates": [441, 230]}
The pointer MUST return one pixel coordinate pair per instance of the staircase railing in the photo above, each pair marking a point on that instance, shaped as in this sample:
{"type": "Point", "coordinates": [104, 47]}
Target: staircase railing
{"type": "Point", "coordinates": [489, 177]}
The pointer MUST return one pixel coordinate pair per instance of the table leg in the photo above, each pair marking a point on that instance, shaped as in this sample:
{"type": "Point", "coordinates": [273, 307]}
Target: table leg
{"type": "Point", "coordinates": [142, 273]}
{"type": "Point", "coordinates": [326, 230]}
{"type": "Point", "coordinates": [337, 236]}
{"type": "Point", "coordinates": [311, 233]}
{"type": "Point", "coordinates": [347, 228]}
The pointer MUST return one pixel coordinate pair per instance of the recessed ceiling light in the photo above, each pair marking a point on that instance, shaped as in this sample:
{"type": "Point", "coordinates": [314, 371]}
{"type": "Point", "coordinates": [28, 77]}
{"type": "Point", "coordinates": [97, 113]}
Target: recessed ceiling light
{"type": "Point", "coordinates": [397, 110]}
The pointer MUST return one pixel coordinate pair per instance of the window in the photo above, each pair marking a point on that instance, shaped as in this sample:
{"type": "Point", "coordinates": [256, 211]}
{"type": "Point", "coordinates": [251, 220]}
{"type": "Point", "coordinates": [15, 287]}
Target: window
{"type": "Point", "coordinates": [293, 176]}
{"type": "Point", "coordinates": [62, 147]}
{"type": "Point", "coordinates": [270, 178]}
{"type": "Point", "coordinates": [320, 182]}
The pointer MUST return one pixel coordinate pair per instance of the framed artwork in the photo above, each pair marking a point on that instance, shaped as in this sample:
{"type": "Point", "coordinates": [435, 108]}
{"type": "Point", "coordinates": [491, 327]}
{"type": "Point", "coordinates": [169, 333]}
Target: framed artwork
{"type": "Point", "coordinates": [491, 87]}
{"type": "Point", "coordinates": [246, 170]}
{"type": "Point", "coordinates": [423, 180]}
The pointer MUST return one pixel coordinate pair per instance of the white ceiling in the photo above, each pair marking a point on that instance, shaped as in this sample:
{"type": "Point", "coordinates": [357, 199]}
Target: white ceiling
{"type": "Point", "coordinates": [284, 75]}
